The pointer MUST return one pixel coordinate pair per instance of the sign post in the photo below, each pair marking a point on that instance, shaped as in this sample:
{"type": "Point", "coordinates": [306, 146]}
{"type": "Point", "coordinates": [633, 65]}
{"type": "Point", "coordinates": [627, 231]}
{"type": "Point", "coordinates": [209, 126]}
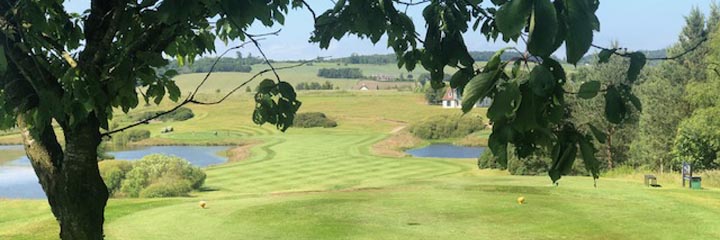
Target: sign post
{"type": "Point", "coordinates": [686, 173]}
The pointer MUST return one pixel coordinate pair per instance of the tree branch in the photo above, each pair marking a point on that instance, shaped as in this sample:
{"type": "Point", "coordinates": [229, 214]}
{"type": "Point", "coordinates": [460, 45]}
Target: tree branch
{"type": "Point", "coordinates": [212, 68]}
{"type": "Point", "coordinates": [311, 10]}
{"type": "Point", "coordinates": [246, 82]}
{"type": "Point", "coordinates": [257, 45]}
{"type": "Point", "coordinates": [625, 54]}
{"type": "Point", "coordinates": [411, 3]}
{"type": "Point", "coordinates": [191, 98]}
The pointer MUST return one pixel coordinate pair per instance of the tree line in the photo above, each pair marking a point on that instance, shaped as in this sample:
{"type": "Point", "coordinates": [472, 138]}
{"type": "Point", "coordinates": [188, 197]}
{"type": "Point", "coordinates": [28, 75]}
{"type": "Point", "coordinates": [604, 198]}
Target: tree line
{"type": "Point", "coordinates": [239, 63]}
{"type": "Point", "coordinates": [353, 73]}
{"type": "Point", "coordinates": [327, 85]}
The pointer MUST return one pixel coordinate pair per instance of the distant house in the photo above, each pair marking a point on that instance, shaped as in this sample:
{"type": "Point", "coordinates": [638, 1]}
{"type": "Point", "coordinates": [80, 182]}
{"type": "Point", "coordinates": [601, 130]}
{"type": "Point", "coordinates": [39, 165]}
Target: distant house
{"type": "Point", "coordinates": [453, 99]}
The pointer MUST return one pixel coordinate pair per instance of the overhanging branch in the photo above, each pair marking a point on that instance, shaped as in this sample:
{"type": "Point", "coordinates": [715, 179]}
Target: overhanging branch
{"type": "Point", "coordinates": [625, 54]}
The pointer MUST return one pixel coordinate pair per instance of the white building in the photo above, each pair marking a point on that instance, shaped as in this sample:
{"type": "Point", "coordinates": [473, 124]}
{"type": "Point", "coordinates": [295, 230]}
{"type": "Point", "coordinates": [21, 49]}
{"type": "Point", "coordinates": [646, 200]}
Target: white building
{"type": "Point", "coordinates": [453, 99]}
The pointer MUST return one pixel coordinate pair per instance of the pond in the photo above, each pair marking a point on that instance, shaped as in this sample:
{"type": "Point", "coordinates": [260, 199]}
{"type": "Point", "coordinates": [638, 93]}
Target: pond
{"type": "Point", "coordinates": [18, 180]}
{"type": "Point", "coordinates": [446, 151]}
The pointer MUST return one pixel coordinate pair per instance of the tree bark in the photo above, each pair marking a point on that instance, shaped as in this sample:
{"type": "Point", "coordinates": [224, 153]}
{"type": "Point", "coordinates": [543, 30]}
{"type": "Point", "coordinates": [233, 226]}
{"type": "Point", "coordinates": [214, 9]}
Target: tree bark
{"type": "Point", "coordinates": [71, 179]}
{"type": "Point", "coordinates": [609, 148]}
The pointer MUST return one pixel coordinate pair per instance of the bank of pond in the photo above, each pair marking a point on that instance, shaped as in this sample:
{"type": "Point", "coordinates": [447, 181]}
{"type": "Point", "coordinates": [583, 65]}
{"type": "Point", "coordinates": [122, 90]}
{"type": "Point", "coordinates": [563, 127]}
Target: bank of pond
{"type": "Point", "coordinates": [18, 180]}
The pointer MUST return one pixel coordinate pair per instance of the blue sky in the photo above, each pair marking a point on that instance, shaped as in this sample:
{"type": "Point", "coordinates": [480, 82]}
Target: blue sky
{"type": "Point", "coordinates": [636, 24]}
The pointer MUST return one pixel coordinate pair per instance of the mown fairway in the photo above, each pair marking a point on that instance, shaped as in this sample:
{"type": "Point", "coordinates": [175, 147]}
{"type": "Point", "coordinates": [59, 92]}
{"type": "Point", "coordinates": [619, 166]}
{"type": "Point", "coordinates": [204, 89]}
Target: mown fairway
{"type": "Point", "coordinates": [326, 184]}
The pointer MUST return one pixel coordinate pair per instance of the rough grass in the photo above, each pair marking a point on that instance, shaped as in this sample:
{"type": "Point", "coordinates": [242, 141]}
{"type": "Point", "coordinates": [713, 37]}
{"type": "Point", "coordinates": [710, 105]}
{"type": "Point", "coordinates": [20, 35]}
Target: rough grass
{"type": "Point", "coordinates": [396, 144]}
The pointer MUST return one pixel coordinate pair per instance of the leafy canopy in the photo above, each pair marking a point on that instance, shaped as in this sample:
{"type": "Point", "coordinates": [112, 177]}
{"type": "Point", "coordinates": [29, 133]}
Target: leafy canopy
{"type": "Point", "coordinates": [71, 67]}
{"type": "Point", "coordinates": [68, 68]}
{"type": "Point", "coordinates": [529, 109]}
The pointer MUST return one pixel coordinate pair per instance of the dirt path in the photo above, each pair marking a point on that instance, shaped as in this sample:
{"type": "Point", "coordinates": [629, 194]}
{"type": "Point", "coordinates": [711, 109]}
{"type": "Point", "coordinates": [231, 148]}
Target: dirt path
{"type": "Point", "coordinates": [397, 129]}
{"type": "Point", "coordinates": [240, 152]}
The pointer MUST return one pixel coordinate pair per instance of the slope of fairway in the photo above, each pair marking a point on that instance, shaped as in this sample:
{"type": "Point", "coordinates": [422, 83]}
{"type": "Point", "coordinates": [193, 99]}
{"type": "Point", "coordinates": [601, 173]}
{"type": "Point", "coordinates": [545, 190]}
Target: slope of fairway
{"type": "Point", "coordinates": [325, 184]}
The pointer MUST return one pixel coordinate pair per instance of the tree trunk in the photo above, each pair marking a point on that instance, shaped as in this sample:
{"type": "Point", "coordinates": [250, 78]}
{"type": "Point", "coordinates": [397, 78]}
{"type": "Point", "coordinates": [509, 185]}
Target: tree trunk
{"type": "Point", "coordinates": [609, 148]}
{"type": "Point", "coordinates": [71, 179]}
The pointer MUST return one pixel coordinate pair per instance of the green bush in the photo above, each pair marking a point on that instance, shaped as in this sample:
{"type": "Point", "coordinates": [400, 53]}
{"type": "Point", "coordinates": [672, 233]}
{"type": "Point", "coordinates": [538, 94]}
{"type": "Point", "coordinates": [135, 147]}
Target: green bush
{"type": "Point", "coordinates": [167, 187]}
{"type": "Point", "coordinates": [113, 172]}
{"type": "Point", "coordinates": [447, 126]}
{"type": "Point", "coordinates": [152, 169]}
{"type": "Point", "coordinates": [698, 140]}
{"type": "Point", "coordinates": [132, 135]}
{"type": "Point", "coordinates": [135, 135]}
{"type": "Point", "coordinates": [313, 119]}
{"type": "Point", "coordinates": [181, 114]}
{"type": "Point", "coordinates": [537, 164]}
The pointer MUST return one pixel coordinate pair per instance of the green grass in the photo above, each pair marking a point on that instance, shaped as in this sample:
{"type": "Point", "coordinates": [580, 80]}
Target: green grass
{"type": "Point", "coordinates": [325, 184]}
{"type": "Point", "coordinates": [8, 155]}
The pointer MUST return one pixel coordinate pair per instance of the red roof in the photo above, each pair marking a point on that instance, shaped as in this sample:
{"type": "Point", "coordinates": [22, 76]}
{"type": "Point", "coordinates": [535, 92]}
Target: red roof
{"type": "Point", "coordinates": [450, 94]}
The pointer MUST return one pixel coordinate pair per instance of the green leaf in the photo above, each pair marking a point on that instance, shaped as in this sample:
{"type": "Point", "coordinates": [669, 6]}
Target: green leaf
{"type": "Point", "coordinates": [515, 72]}
{"type": "Point", "coordinates": [494, 61]}
{"type": "Point", "coordinates": [3, 60]}
{"type": "Point", "coordinates": [637, 62]}
{"type": "Point", "coordinates": [614, 106]}
{"type": "Point", "coordinates": [542, 81]}
{"type": "Point", "coordinates": [587, 150]}
{"type": "Point", "coordinates": [510, 19]}
{"type": "Point", "coordinates": [505, 103]}
{"type": "Point", "coordinates": [562, 24]}
{"type": "Point", "coordinates": [498, 145]}
{"type": "Point", "coordinates": [556, 68]}
{"type": "Point", "coordinates": [543, 29]}
{"type": "Point", "coordinates": [461, 78]}
{"type": "Point", "coordinates": [526, 117]}
{"type": "Point", "coordinates": [562, 164]}
{"type": "Point", "coordinates": [266, 86]}
{"type": "Point", "coordinates": [589, 89]}
{"type": "Point", "coordinates": [287, 91]}
{"type": "Point", "coordinates": [599, 135]}
{"type": "Point", "coordinates": [635, 102]}
{"type": "Point", "coordinates": [477, 88]}
{"type": "Point", "coordinates": [605, 54]}
{"type": "Point", "coordinates": [580, 29]}
{"type": "Point", "coordinates": [173, 91]}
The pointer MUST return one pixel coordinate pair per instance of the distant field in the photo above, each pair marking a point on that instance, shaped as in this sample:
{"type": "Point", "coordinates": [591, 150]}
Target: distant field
{"type": "Point", "coordinates": [308, 73]}
{"type": "Point", "coordinates": [326, 184]}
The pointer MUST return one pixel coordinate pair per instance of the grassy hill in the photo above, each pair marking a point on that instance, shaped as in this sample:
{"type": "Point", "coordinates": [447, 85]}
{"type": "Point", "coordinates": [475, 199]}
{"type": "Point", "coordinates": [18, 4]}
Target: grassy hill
{"type": "Point", "coordinates": [326, 184]}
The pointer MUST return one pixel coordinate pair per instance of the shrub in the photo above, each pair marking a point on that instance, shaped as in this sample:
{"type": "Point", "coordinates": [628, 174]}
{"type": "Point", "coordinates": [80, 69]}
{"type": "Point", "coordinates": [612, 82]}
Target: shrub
{"type": "Point", "coordinates": [153, 168]}
{"type": "Point", "coordinates": [167, 187]}
{"type": "Point", "coordinates": [132, 135]}
{"type": "Point", "coordinates": [444, 126]}
{"type": "Point", "coordinates": [536, 164]}
{"type": "Point", "coordinates": [135, 135]}
{"type": "Point", "coordinates": [113, 172]}
{"type": "Point", "coordinates": [313, 119]}
{"type": "Point", "coordinates": [181, 114]}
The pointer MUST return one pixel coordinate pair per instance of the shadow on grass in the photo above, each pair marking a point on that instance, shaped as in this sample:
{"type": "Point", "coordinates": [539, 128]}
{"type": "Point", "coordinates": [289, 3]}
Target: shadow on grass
{"type": "Point", "coordinates": [208, 189]}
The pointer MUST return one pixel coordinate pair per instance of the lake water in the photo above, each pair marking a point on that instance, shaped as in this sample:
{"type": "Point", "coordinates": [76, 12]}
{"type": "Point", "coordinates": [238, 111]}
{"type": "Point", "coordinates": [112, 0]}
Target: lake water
{"type": "Point", "coordinates": [446, 151]}
{"type": "Point", "coordinates": [18, 180]}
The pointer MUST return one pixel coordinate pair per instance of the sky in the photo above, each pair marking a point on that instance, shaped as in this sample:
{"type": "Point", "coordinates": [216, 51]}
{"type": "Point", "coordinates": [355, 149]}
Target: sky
{"type": "Point", "coordinates": [636, 24]}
